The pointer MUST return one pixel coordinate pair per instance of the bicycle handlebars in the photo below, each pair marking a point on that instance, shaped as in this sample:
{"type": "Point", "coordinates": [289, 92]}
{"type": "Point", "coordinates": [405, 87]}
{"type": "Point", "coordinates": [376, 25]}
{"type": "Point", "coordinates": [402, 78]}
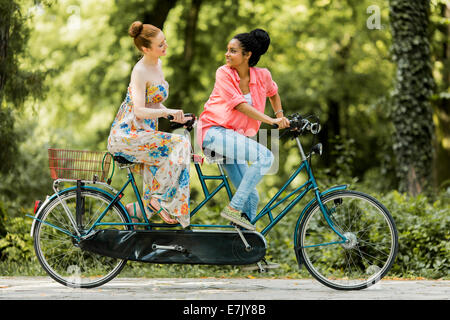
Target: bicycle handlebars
{"type": "Point", "coordinates": [300, 124]}
{"type": "Point", "coordinates": [189, 124]}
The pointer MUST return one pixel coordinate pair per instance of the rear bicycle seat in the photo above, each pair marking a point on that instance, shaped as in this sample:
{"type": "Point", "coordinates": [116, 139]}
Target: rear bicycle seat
{"type": "Point", "coordinates": [123, 162]}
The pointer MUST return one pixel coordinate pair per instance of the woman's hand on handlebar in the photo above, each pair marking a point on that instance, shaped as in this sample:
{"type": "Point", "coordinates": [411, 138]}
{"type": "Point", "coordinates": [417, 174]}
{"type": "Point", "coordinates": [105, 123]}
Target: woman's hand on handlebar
{"type": "Point", "coordinates": [177, 115]}
{"type": "Point", "coordinates": [281, 123]}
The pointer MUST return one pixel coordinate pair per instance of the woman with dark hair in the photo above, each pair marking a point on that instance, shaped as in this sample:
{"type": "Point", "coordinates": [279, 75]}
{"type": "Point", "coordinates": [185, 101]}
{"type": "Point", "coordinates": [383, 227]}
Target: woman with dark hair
{"type": "Point", "coordinates": [163, 158]}
{"type": "Point", "coordinates": [234, 113]}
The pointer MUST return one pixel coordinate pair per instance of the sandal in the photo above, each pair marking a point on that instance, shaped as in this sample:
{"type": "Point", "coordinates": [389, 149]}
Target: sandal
{"type": "Point", "coordinates": [135, 216]}
{"type": "Point", "coordinates": [163, 214]}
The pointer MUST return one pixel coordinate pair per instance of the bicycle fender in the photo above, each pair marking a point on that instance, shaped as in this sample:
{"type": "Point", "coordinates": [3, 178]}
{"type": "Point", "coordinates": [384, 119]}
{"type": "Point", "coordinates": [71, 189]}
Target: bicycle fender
{"type": "Point", "coordinates": [50, 198]}
{"type": "Point", "coordinates": [310, 204]}
{"type": "Point", "coordinates": [37, 214]}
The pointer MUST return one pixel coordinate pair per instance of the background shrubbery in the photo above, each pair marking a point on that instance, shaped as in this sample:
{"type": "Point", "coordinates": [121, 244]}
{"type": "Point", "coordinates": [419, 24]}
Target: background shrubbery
{"type": "Point", "coordinates": [67, 67]}
{"type": "Point", "coordinates": [424, 242]}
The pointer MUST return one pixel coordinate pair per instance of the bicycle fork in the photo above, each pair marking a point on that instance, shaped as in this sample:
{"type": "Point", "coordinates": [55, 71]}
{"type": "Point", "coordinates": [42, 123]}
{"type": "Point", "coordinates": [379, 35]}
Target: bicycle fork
{"type": "Point", "coordinates": [326, 214]}
{"type": "Point", "coordinates": [324, 210]}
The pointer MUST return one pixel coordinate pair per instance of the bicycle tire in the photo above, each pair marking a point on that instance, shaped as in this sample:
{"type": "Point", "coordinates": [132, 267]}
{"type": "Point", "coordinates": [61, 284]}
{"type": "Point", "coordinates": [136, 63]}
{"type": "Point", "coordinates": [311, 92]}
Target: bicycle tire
{"type": "Point", "coordinates": [57, 252]}
{"type": "Point", "coordinates": [367, 255]}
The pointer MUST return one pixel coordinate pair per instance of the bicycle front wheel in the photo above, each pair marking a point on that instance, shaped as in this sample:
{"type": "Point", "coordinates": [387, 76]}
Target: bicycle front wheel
{"type": "Point", "coordinates": [367, 254]}
{"type": "Point", "coordinates": [56, 244]}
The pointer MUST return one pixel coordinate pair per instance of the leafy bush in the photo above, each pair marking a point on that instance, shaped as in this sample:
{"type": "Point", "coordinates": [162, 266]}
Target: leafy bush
{"type": "Point", "coordinates": [424, 240]}
{"type": "Point", "coordinates": [16, 245]}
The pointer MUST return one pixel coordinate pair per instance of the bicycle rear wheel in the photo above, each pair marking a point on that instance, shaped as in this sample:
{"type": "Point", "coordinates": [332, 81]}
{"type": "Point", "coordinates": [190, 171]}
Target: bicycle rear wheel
{"type": "Point", "coordinates": [368, 253]}
{"type": "Point", "coordinates": [58, 252]}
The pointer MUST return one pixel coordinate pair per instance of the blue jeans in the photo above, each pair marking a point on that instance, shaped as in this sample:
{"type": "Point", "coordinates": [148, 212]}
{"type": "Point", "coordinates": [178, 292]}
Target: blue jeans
{"type": "Point", "coordinates": [238, 149]}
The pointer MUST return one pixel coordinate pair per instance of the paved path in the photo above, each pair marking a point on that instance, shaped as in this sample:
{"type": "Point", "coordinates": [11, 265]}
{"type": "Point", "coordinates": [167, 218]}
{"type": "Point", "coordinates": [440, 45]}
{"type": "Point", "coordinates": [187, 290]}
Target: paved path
{"type": "Point", "coordinates": [43, 288]}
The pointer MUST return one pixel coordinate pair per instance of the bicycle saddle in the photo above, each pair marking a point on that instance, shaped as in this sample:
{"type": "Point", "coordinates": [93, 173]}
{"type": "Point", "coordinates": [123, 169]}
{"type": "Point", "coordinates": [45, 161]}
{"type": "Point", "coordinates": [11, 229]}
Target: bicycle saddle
{"type": "Point", "coordinates": [213, 157]}
{"type": "Point", "coordinates": [122, 160]}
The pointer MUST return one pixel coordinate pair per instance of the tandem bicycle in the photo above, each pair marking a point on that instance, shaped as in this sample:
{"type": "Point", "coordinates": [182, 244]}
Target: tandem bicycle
{"type": "Point", "coordinates": [84, 236]}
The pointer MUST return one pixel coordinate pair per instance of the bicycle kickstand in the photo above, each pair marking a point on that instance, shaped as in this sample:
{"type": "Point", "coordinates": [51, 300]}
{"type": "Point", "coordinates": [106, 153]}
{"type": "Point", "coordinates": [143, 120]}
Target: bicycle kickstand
{"type": "Point", "coordinates": [260, 266]}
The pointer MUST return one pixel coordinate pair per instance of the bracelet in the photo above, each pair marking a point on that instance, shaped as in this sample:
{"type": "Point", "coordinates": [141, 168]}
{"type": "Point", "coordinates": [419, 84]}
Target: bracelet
{"type": "Point", "coordinates": [278, 111]}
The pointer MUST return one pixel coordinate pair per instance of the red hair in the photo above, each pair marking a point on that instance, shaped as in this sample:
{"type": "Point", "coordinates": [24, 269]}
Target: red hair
{"type": "Point", "coordinates": [143, 34]}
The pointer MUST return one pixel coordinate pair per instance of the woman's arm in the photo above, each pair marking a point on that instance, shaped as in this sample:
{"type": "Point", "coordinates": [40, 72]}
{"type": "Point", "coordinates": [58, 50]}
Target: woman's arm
{"type": "Point", "coordinates": [138, 89]}
{"type": "Point", "coordinates": [253, 113]}
{"type": "Point", "coordinates": [275, 101]}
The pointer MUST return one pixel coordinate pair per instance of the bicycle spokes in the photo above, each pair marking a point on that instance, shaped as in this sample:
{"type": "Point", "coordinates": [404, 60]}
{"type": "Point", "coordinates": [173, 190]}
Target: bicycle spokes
{"type": "Point", "coordinates": [369, 247]}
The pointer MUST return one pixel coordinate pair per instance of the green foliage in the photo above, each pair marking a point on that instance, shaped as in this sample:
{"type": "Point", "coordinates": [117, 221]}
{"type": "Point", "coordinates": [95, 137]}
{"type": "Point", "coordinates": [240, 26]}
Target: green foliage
{"type": "Point", "coordinates": [324, 58]}
{"type": "Point", "coordinates": [424, 236]}
{"type": "Point", "coordinates": [9, 142]}
{"type": "Point", "coordinates": [412, 113]}
{"type": "Point", "coordinates": [17, 246]}
{"type": "Point", "coordinates": [423, 226]}
{"type": "Point", "coordinates": [3, 218]}
{"type": "Point", "coordinates": [30, 179]}
{"type": "Point", "coordinates": [75, 57]}
{"type": "Point", "coordinates": [17, 84]}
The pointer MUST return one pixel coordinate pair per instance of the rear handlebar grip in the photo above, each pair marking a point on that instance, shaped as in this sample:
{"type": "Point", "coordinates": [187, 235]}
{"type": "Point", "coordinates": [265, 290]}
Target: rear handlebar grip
{"type": "Point", "coordinates": [170, 117]}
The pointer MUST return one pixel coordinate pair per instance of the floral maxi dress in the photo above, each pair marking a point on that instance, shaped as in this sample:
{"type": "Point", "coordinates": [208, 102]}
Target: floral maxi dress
{"type": "Point", "coordinates": [164, 158]}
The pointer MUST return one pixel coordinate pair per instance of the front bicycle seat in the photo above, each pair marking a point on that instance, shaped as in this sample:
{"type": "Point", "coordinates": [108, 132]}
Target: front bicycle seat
{"type": "Point", "coordinates": [213, 157]}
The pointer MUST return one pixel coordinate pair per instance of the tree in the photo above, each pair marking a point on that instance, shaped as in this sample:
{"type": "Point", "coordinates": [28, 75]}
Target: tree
{"type": "Point", "coordinates": [412, 114]}
{"type": "Point", "coordinates": [440, 30]}
{"type": "Point", "coordinates": [158, 15]}
{"type": "Point", "coordinates": [326, 61]}
{"type": "Point", "coordinates": [185, 61]}
{"type": "Point", "coordinates": [16, 84]}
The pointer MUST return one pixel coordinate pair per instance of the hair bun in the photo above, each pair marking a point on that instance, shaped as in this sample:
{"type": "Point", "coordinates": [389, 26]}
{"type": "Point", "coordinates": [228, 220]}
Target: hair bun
{"type": "Point", "coordinates": [135, 29]}
{"type": "Point", "coordinates": [263, 39]}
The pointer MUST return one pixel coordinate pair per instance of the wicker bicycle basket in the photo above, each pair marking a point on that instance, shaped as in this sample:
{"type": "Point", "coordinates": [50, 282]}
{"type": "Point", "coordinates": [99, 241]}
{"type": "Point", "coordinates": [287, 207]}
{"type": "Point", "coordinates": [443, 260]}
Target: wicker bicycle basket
{"type": "Point", "coordinates": [79, 165]}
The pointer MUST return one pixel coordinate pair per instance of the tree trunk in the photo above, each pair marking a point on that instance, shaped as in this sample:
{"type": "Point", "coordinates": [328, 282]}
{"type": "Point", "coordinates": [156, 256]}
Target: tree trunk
{"type": "Point", "coordinates": [189, 35]}
{"type": "Point", "coordinates": [5, 22]}
{"type": "Point", "coordinates": [445, 13]}
{"type": "Point", "coordinates": [181, 97]}
{"type": "Point", "coordinates": [412, 113]}
{"type": "Point", "coordinates": [158, 13]}
{"type": "Point", "coordinates": [332, 128]}
{"type": "Point", "coordinates": [441, 169]}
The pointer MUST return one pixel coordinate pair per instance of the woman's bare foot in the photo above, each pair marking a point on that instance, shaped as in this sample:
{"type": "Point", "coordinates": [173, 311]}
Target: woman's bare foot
{"type": "Point", "coordinates": [162, 213]}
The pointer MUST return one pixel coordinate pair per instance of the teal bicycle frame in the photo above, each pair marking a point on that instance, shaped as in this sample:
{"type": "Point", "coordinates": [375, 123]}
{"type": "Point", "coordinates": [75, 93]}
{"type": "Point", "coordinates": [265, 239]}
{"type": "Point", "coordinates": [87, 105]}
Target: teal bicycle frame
{"type": "Point", "coordinates": [310, 184]}
{"type": "Point", "coordinates": [300, 192]}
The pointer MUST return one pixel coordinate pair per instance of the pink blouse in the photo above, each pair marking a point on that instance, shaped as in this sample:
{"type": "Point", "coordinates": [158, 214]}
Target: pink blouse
{"type": "Point", "coordinates": [220, 110]}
